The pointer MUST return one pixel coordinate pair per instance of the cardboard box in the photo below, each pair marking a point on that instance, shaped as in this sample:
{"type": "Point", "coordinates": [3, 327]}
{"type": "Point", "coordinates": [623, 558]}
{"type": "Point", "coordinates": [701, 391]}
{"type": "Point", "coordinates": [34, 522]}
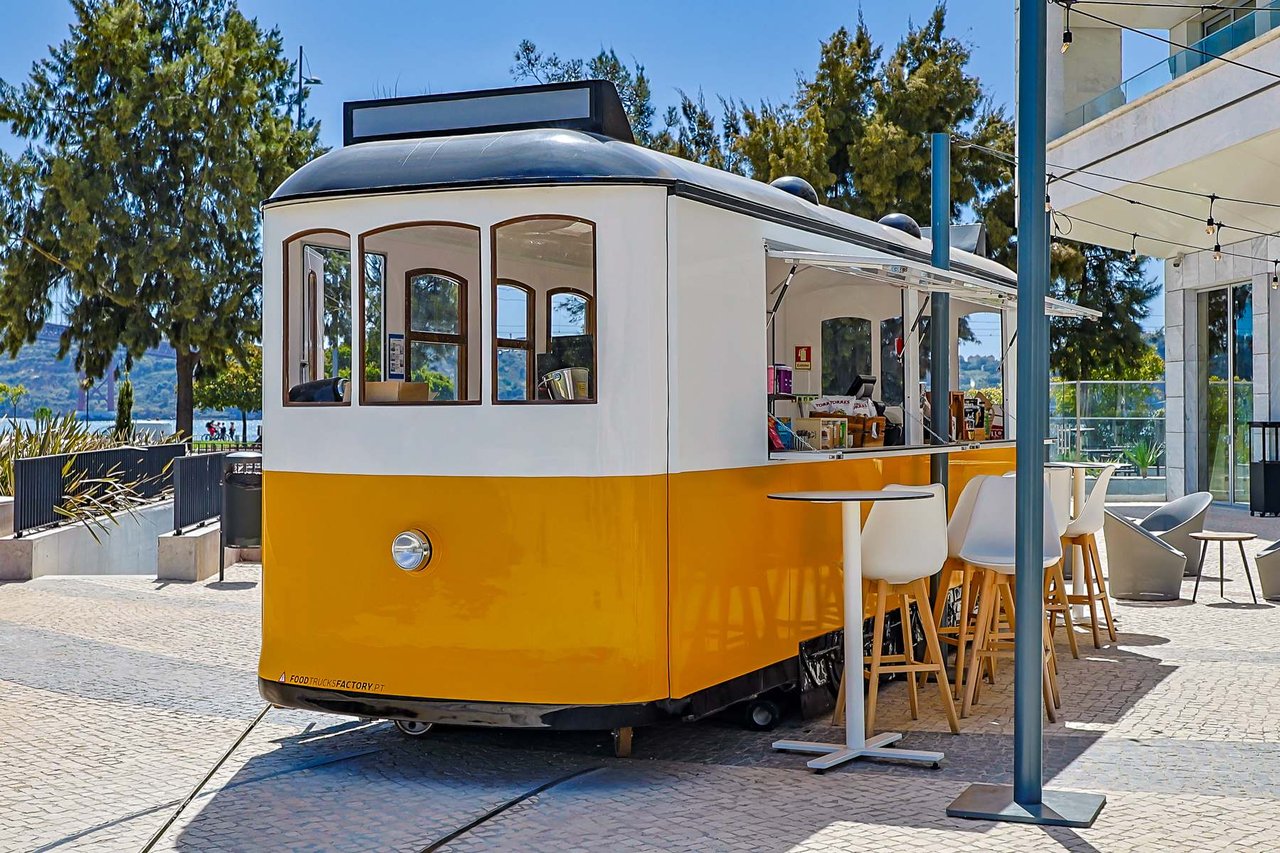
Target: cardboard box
{"type": "Point", "coordinates": [820, 433]}
{"type": "Point", "coordinates": [397, 391]}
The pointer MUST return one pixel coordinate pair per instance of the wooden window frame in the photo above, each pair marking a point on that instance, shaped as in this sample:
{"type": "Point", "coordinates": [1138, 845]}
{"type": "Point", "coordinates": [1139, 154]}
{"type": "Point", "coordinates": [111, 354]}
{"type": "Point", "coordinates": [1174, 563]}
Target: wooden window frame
{"type": "Point", "coordinates": [286, 244]}
{"type": "Point", "coordinates": [589, 326]}
{"type": "Point", "coordinates": [399, 226]}
{"type": "Point", "coordinates": [459, 340]}
{"type": "Point", "coordinates": [528, 345]}
{"type": "Point", "coordinates": [595, 287]}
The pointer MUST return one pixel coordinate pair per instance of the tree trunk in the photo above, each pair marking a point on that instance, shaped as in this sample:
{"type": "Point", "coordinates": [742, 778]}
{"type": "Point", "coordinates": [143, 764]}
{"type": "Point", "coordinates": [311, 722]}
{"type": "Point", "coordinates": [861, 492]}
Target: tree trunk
{"type": "Point", "coordinates": [244, 426]}
{"type": "Point", "coordinates": [186, 392]}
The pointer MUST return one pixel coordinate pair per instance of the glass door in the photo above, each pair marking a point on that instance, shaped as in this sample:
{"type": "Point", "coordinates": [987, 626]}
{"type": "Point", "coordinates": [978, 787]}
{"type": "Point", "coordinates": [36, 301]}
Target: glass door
{"type": "Point", "coordinates": [1226, 388]}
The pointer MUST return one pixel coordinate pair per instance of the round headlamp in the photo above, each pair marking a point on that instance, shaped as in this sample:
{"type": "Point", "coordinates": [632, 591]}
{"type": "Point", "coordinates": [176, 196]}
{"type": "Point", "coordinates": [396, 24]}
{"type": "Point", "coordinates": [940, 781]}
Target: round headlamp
{"type": "Point", "coordinates": [411, 550]}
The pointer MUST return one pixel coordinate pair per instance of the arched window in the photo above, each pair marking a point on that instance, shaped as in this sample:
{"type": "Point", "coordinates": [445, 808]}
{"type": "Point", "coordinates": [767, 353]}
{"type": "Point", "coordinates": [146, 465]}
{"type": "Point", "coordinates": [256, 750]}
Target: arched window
{"type": "Point", "coordinates": [421, 313]}
{"type": "Point", "coordinates": [514, 332]}
{"type": "Point", "coordinates": [436, 308]}
{"type": "Point", "coordinates": [318, 317]}
{"type": "Point", "coordinates": [846, 352]}
{"type": "Point", "coordinates": [569, 313]}
{"type": "Point", "coordinates": [545, 265]}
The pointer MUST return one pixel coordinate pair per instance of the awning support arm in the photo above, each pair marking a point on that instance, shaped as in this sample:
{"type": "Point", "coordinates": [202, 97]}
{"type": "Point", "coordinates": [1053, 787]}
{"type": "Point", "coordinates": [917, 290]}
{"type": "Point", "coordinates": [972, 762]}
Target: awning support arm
{"type": "Point", "coordinates": [782, 294]}
{"type": "Point", "coordinates": [919, 314]}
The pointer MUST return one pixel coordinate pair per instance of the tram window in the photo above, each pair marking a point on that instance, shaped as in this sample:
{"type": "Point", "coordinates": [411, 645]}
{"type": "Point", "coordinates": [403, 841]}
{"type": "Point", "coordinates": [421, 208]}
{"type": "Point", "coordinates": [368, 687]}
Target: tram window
{"type": "Point", "coordinates": [846, 352]}
{"type": "Point", "coordinates": [544, 283]}
{"type": "Point", "coordinates": [515, 341]}
{"type": "Point", "coordinates": [429, 318]}
{"type": "Point", "coordinates": [892, 370]}
{"type": "Point", "coordinates": [317, 300]}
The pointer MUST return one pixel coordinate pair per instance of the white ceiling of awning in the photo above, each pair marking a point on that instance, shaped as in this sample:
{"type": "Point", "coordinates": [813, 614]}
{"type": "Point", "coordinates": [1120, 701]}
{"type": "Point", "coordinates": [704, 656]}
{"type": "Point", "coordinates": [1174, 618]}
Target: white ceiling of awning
{"type": "Point", "coordinates": [899, 272]}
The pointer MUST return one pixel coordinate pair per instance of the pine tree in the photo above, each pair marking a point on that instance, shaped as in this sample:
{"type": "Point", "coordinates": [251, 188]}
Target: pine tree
{"type": "Point", "coordinates": [1112, 282]}
{"type": "Point", "coordinates": [156, 129]}
{"type": "Point", "coordinates": [124, 410]}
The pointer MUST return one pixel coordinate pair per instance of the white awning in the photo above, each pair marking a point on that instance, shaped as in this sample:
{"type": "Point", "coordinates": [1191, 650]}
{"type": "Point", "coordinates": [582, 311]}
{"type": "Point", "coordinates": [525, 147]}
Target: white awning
{"type": "Point", "coordinates": [901, 272]}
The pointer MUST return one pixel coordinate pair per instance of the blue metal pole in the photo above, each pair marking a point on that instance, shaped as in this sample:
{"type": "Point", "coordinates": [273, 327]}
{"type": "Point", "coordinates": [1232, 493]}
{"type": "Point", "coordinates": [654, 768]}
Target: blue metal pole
{"type": "Point", "coordinates": [1033, 389]}
{"type": "Point", "coordinates": [940, 306]}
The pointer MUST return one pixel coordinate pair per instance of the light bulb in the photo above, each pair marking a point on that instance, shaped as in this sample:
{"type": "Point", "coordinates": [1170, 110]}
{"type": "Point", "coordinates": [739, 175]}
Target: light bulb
{"type": "Point", "coordinates": [1217, 252]}
{"type": "Point", "coordinates": [1208, 225]}
{"type": "Point", "coordinates": [1066, 40]}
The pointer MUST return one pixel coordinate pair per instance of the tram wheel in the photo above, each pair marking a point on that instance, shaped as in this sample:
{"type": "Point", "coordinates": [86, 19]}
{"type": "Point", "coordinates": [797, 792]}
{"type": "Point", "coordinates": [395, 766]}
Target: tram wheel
{"type": "Point", "coordinates": [763, 715]}
{"type": "Point", "coordinates": [412, 728]}
{"type": "Point", "coordinates": [622, 742]}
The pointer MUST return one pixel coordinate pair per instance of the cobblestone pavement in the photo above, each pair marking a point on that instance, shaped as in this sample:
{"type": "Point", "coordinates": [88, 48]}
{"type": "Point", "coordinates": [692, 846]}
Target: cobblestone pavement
{"type": "Point", "coordinates": [118, 694]}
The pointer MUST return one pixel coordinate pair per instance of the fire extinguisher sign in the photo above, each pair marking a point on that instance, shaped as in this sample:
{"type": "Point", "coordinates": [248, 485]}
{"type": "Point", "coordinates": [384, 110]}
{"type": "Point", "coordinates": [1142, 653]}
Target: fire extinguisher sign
{"type": "Point", "coordinates": [804, 358]}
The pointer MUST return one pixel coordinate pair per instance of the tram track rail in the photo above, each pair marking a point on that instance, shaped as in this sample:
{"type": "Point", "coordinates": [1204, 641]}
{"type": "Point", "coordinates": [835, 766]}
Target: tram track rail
{"type": "Point", "coordinates": [444, 840]}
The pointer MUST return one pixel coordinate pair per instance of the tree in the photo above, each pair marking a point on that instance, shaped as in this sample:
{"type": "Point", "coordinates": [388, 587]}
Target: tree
{"type": "Point", "coordinates": [632, 83]}
{"type": "Point", "coordinates": [124, 410]}
{"type": "Point", "coordinates": [237, 385]}
{"type": "Point", "coordinates": [1112, 346]}
{"type": "Point", "coordinates": [155, 130]}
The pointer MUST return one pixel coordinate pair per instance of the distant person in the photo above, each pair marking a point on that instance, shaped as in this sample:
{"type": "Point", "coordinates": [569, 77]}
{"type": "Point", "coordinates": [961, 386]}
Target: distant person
{"type": "Point", "coordinates": [259, 438]}
{"type": "Point", "coordinates": [222, 432]}
{"type": "Point", "coordinates": [211, 427]}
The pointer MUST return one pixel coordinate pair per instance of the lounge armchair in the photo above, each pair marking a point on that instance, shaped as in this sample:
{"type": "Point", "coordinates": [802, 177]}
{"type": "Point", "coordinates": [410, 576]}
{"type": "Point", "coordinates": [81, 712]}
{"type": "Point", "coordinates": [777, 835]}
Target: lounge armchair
{"type": "Point", "coordinates": [1141, 565]}
{"type": "Point", "coordinates": [1176, 521]}
{"type": "Point", "coordinates": [1268, 562]}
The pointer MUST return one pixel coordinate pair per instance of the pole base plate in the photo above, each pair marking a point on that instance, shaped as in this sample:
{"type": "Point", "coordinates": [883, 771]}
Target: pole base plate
{"type": "Point", "coordinates": [981, 801]}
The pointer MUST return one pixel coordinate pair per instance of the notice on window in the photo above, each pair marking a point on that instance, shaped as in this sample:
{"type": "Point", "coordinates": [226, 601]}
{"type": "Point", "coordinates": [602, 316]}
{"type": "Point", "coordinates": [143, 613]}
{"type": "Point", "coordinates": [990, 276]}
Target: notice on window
{"type": "Point", "coordinates": [395, 356]}
{"type": "Point", "coordinates": [804, 358]}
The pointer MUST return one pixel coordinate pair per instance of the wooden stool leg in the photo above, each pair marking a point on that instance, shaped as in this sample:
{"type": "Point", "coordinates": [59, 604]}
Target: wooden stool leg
{"type": "Point", "coordinates": [935, 652]}
{"type": "Point", "coordinates": [877, 652]}
{"type": "Point", "coordinates": [837, 715]}
{"type": "Point", "coordinates": [1045, 689]}
{"type": "Point", "coordinates": [1089, 594]}
{"type": "Point", "coordinates": [1051, 654]}
{"type": "Point", "coordinates": [908, 653]}
{"type": "Point", "coordinates": [962, 631]}
{"type": "Point", "coordinates": [1060, 597]}
{"type": "Point", "coordinates": [1101, 581]}
{"type": "Point", "coordinates": [986, 608]}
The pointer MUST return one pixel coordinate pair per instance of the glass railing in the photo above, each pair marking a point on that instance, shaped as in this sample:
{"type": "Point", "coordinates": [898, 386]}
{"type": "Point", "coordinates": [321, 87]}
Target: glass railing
{"type": "Point", "coordinates": [1112, 422]}
{"type": "Point", "coordinates": [1248, 28]}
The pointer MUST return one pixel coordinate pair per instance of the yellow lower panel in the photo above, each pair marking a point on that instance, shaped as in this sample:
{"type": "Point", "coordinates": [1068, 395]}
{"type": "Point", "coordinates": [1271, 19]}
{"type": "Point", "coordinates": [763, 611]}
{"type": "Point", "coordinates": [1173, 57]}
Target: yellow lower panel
{"type": "Point", "coordinates": [541, 590]}
{"type": "Point", "coordinates": [750, 577]}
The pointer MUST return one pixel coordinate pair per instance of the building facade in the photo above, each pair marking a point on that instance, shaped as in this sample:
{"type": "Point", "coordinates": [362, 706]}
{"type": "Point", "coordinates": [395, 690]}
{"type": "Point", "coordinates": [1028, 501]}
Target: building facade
{"type": "Point", "coordinates": [1181, 161]}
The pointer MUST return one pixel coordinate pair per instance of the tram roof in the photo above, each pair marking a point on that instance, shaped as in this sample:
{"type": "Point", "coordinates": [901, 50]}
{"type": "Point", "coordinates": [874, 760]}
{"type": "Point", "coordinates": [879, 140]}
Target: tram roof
{"type": "Point", "coordinates": [558, 156]}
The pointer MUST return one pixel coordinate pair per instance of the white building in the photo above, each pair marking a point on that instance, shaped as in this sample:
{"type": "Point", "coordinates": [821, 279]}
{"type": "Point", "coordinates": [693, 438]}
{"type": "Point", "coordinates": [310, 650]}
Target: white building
{"type": "Point", "coordinates": [1172, 136]}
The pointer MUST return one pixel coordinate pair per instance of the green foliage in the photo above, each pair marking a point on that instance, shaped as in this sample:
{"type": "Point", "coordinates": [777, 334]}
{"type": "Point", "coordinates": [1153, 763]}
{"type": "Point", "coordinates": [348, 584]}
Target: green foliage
{"type": "Point", "coordinates": [1144, 455]}
{"type": "Point", "coordinates": [1113, 346]}
{"type": "Point", "coordinates": [12, 394]}
{"type": "Point", "coordinates": [156, 129]}
{"type": "Point", "coordinates": [632, 83]}
{"type": "Point", "coordinates": [124, 408]}
{"type": "Point", "coordinates": [42, 414]}
{"type": "Point", "coordinates": [238, 385]}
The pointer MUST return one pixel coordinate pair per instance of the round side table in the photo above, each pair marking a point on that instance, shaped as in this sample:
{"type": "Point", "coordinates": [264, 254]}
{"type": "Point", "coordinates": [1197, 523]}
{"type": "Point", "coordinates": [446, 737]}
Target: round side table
{"type": "Point", "coordinates": [1222, 538]}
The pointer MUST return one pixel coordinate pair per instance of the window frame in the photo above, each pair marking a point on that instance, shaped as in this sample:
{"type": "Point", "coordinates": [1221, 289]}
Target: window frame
{"type": "Point", "coordinates": [397, 226]}
{"type": "Point", "coordinates": [528, 344]}
{"type": "Point", "coordinates": [459, 340]}
{"type": "Point", "coordinates": [589, 326]}
{"type": "Point", "coordinates": [285, 337]}
{"type": "Point", "coordinates": [592, 309]}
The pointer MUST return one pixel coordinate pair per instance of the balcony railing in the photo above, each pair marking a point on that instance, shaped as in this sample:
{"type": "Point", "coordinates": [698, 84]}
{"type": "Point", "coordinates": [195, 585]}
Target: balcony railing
{"type": "Point", "coordinates": [1243, 31]}
{"type": "Point", "coordinates": [1105, 421]}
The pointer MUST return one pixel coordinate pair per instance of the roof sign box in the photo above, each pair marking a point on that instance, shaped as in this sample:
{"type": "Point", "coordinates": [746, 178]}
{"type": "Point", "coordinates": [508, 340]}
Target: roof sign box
{"type": "Point", "coordinates": [587, 105]}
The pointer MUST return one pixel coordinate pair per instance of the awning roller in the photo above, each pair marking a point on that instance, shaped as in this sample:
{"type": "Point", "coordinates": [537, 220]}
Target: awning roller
{"type": "Point", "coordinates": [901, 272]}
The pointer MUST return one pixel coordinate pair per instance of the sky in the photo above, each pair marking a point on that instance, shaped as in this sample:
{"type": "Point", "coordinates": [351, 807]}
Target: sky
{"type": "Point", "coordinates": [745, 49]}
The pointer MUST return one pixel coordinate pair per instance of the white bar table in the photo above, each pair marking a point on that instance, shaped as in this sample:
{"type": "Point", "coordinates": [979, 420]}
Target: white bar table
{"type": "Point", "coordinates": [855, 745]}
{"type": "Point", "coordinates": [1079, 471]}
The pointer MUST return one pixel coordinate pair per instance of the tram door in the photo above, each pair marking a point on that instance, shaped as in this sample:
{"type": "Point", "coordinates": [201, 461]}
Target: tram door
{"type": "Point", "coordinates": [312, 313]}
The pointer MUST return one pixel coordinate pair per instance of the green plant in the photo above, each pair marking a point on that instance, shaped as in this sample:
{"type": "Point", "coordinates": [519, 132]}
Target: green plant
{"type": "Point", "coordinates": [124, 408]}
{"type": "Point", "coordinates": [1144, 454]}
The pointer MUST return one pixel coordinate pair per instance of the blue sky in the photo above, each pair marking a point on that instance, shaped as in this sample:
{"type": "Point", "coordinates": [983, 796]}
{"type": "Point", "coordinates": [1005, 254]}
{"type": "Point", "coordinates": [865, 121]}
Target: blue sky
{"type": "Point", "coordinates": [747, 49]}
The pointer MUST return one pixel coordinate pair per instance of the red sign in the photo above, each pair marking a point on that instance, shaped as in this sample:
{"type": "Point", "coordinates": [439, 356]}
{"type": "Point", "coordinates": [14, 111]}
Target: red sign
{"type": "Point", "coordinates": [804, 358]}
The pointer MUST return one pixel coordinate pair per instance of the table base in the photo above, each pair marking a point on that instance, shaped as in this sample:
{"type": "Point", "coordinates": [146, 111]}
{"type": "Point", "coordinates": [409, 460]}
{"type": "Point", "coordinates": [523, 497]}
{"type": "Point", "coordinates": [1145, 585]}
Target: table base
{"type": "Point", "coordinates": [834, 754]}
{"type": "Point", "coordinates": [981, 801]}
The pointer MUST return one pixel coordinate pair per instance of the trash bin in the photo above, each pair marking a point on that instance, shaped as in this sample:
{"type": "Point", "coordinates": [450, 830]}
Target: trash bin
{"type": "Point", "coordinates": [241, 503]}
{"type": "Point", "coordinates": [1264, 467]}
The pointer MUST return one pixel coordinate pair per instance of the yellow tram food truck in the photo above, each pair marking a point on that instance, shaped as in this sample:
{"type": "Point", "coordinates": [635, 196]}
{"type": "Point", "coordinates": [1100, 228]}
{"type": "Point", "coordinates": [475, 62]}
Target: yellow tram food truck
{"type": "Point", "coordinates": [527, 385]}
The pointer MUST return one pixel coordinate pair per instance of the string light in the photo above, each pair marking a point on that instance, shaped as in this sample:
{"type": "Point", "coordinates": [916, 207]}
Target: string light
{"type": "Point", "coordinates": [1048, 204]}
{"type": "Point", "coordinates": [1275, 274]}
{"type": "Point", "coordinates": [1066, 27]}
{"type": "Point", "coordinates": [1217, 244]}
{"type": "Point", "coordinates": [1209, 223]}
{"type": "Point", "coordinates": [1133, 253]}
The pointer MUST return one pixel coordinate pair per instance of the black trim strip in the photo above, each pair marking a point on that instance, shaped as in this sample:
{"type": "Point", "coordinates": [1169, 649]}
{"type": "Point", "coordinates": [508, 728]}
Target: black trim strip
{"type": "Point", "coordinates": [678, 188]}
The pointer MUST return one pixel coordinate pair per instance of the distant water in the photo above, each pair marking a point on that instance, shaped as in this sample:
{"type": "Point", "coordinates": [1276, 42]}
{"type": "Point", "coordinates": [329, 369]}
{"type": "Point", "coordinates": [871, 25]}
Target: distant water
{"type": "Point", "coordinates": [163, 426]}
